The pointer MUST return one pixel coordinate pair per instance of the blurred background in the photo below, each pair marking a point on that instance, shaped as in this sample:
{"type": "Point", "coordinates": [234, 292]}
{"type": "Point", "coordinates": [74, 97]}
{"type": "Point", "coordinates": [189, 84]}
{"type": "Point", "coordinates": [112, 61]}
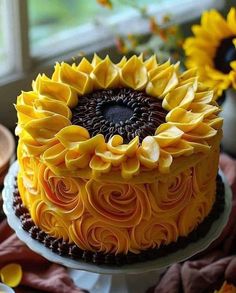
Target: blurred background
{"type": "Point", "coordinates": [36, 34]}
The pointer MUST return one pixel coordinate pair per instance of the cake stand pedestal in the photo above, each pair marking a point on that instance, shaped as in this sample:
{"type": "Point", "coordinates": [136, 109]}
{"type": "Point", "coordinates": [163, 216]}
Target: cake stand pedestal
{"type": "Point", "coordinates": [110, 279]}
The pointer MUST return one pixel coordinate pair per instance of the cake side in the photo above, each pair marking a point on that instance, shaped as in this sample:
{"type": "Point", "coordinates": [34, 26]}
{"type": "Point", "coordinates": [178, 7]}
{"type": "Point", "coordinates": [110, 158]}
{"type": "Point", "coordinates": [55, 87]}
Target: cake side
{"type": "Point", "coordinates": [64, 248]}
{"type": "Point", "coordinates": [118, 218]}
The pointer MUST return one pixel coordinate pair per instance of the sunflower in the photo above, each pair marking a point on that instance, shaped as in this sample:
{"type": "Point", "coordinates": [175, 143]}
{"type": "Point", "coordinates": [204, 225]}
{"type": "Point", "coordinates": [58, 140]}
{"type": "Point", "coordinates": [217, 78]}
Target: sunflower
{"type": "Point", "coordinates": [98, 117]}
{"type": "Point", "coordinates": [213, 50]}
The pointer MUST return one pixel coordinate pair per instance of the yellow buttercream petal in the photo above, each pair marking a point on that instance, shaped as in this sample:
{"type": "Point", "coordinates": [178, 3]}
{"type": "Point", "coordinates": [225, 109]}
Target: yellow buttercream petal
{"type": "Point", "coordinates": [134, 74]}
{"type": "Point", "coordinates": [55, 155]}
{"type": "Point", "coordinates": [55, 90]}
{"type": "Point", "coordinates": [149, 152]}
{"type": "Point", "coordinates": [190, 73]}
{"type": "Point", "coordinates": [163, 82]}
{"type": "Point", "coordinates": [140, 57]}
{"type": "Point", "coordinates": [99, 166]}
{"type": "Point", "coordinates": [75, 160]}
{"type": "Point", "coordinates": [204, 109]}
{"type": "Point", "coordinates": [179, 97]}
{"type": "Point", "coordinates": [151, 63]}
{"type": "Point", "coordinates": [77, 80]}
{"type": "Point", "coordinates": [130, 167]}
{"type": "Point", "coordinates": [167, 134]}
{"type": "Point", "coordinates": [105, 74]}
{"type": "Point", "coordinates": [180, 148]}
{"type": "Point", "coordinates": [156, 70]}
{"type": "Point", "coordinates": [27, 98]}
{"type": "Point", "coordinates": [165, 161]}
{"type": "Point", "coordinates": [96, 60]}
{"type": "Point", "coordinates": [214, 121]}
{"type": "Point", "coordinates": [34, 148]}
{"type": "Point", "coordinates": [71, 135]}
{"type": "Point", "coordinates": [56, 73]}
{"type": "Point", "coordinates": [41, 108]}
{"type": "Point", "coordinates": [200, 147]}
{"type": "Point", "coordinates": [191, 82]}
{"type": "Point", "coordinates": [85, 66]}
{"type": "Point", "coordinates": [26, 113]}
{"type": "Point", "coordinates": [122, 62]}
{"type": "Point", "coordinates": [203, 131]}
{"type": "Point", "coordinates": [91, 144]}
{"type": "Point", "coordinates": [108, 156]}
{"type": "Point", "coordinates": [204, 97]}
{"type": "Point", "coordinates": [183, 119]}
{"type": "Point", "coordinates": [52, 106]}
{"type": "Point", "coordinates": [116, 146]}
{"type": "Point", "coordinates": [45, 129]}
{"type": "Point", "coordinates": [11, 274]}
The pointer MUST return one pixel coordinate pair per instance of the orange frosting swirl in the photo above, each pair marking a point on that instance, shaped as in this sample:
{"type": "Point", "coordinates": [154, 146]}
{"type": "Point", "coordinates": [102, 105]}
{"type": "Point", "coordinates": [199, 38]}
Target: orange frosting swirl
{"type": "Point", "coordinates": [192, 215]}
{"type": "Point", "coordinates": [49, 220]}
{"type": "Point", "coordinates": [172, 195]}
{"type": "Point", "coordinates": [63, 192]}
{"type": "Point", "coordinates": [153, 233]}
{"type": "Point", "coordinates": [120, 205]}
{"type": "Point", "coordinates": [95, 235]}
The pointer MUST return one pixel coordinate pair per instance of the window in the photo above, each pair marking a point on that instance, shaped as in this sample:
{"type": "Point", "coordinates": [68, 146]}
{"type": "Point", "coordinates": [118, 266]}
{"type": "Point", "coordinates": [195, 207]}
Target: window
{"type": "Point", "coordinates": [5, 63]}
{"type": "Point", "coordinates": [34, 34]}
{"type": "Point", "coordinates": [69, 24]}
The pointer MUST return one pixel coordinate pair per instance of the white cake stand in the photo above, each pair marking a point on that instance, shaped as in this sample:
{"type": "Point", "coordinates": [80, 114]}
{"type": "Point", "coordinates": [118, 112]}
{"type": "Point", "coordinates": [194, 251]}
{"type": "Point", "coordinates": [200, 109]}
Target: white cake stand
{"type": "Point", "coordinates": [133, 278]}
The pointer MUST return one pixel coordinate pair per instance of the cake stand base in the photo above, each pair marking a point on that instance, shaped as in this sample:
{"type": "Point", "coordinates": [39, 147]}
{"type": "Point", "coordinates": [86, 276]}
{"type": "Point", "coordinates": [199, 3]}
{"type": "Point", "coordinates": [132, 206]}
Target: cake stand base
{"type": "Point", "coordinates": [125, 283]}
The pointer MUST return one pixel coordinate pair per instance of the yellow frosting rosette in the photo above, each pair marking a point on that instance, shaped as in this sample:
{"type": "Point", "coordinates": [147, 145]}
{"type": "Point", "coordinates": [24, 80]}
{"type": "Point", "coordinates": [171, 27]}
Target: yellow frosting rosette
{"type": "Point", "coordinates": [46, 131]}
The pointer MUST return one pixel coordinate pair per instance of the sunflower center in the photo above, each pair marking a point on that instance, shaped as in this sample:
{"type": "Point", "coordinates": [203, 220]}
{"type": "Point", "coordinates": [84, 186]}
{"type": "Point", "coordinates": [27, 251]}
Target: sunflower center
{"type": "Point", "coordinates": [225, 54]}
{"type": "Point", "coordinates": [122, 111]}
{"type": "Point", "coordinates": [110, 110]}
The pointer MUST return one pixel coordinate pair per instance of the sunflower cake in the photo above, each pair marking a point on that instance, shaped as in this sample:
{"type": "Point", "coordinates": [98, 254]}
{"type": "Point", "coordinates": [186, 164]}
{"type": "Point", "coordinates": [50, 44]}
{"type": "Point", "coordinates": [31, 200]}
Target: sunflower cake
{"type": "Point", "coordinates": [117, 161]}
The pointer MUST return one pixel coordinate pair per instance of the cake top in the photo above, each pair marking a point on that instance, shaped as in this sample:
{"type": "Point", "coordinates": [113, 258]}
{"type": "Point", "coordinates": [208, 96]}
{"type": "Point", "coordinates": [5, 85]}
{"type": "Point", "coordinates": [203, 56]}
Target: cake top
{"type": "Point", "coordinates": [90, 118]}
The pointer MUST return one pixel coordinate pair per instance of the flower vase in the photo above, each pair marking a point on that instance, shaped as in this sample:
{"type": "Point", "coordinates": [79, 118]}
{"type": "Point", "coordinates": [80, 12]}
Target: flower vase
{"type": "Point", "coordinates": [229, 125]}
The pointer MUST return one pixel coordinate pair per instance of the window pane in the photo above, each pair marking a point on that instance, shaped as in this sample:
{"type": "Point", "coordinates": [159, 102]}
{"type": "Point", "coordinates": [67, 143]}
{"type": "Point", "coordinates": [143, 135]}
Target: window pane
{"type": "Point", "coordinates": [4, 64]}
{"type": "Point", "coordinates": [51, 20]}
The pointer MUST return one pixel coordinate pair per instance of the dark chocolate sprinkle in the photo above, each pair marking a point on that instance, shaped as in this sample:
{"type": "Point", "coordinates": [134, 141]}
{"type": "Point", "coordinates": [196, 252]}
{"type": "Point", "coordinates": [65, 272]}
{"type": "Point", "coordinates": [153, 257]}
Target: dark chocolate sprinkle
{"type": "Point", "coordinates": [41, 236]}
{"type": "Point", "coordinates": [109, 112]}
{"type": "Point", "coordinates": [76, 252]}
{"type": "Point", "coordinates": [27, 224]}
{"type": "Point", "coordinates": [34, 232]}
{"type": "Point", "coordinates": [48, 240]}
{"type": "Point", "coordinates": [63, 248]}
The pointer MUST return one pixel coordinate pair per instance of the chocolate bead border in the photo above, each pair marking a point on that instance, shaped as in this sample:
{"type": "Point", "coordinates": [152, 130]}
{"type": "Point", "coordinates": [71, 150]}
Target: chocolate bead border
{"type": "Point", "coordinates": [64, 248]}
